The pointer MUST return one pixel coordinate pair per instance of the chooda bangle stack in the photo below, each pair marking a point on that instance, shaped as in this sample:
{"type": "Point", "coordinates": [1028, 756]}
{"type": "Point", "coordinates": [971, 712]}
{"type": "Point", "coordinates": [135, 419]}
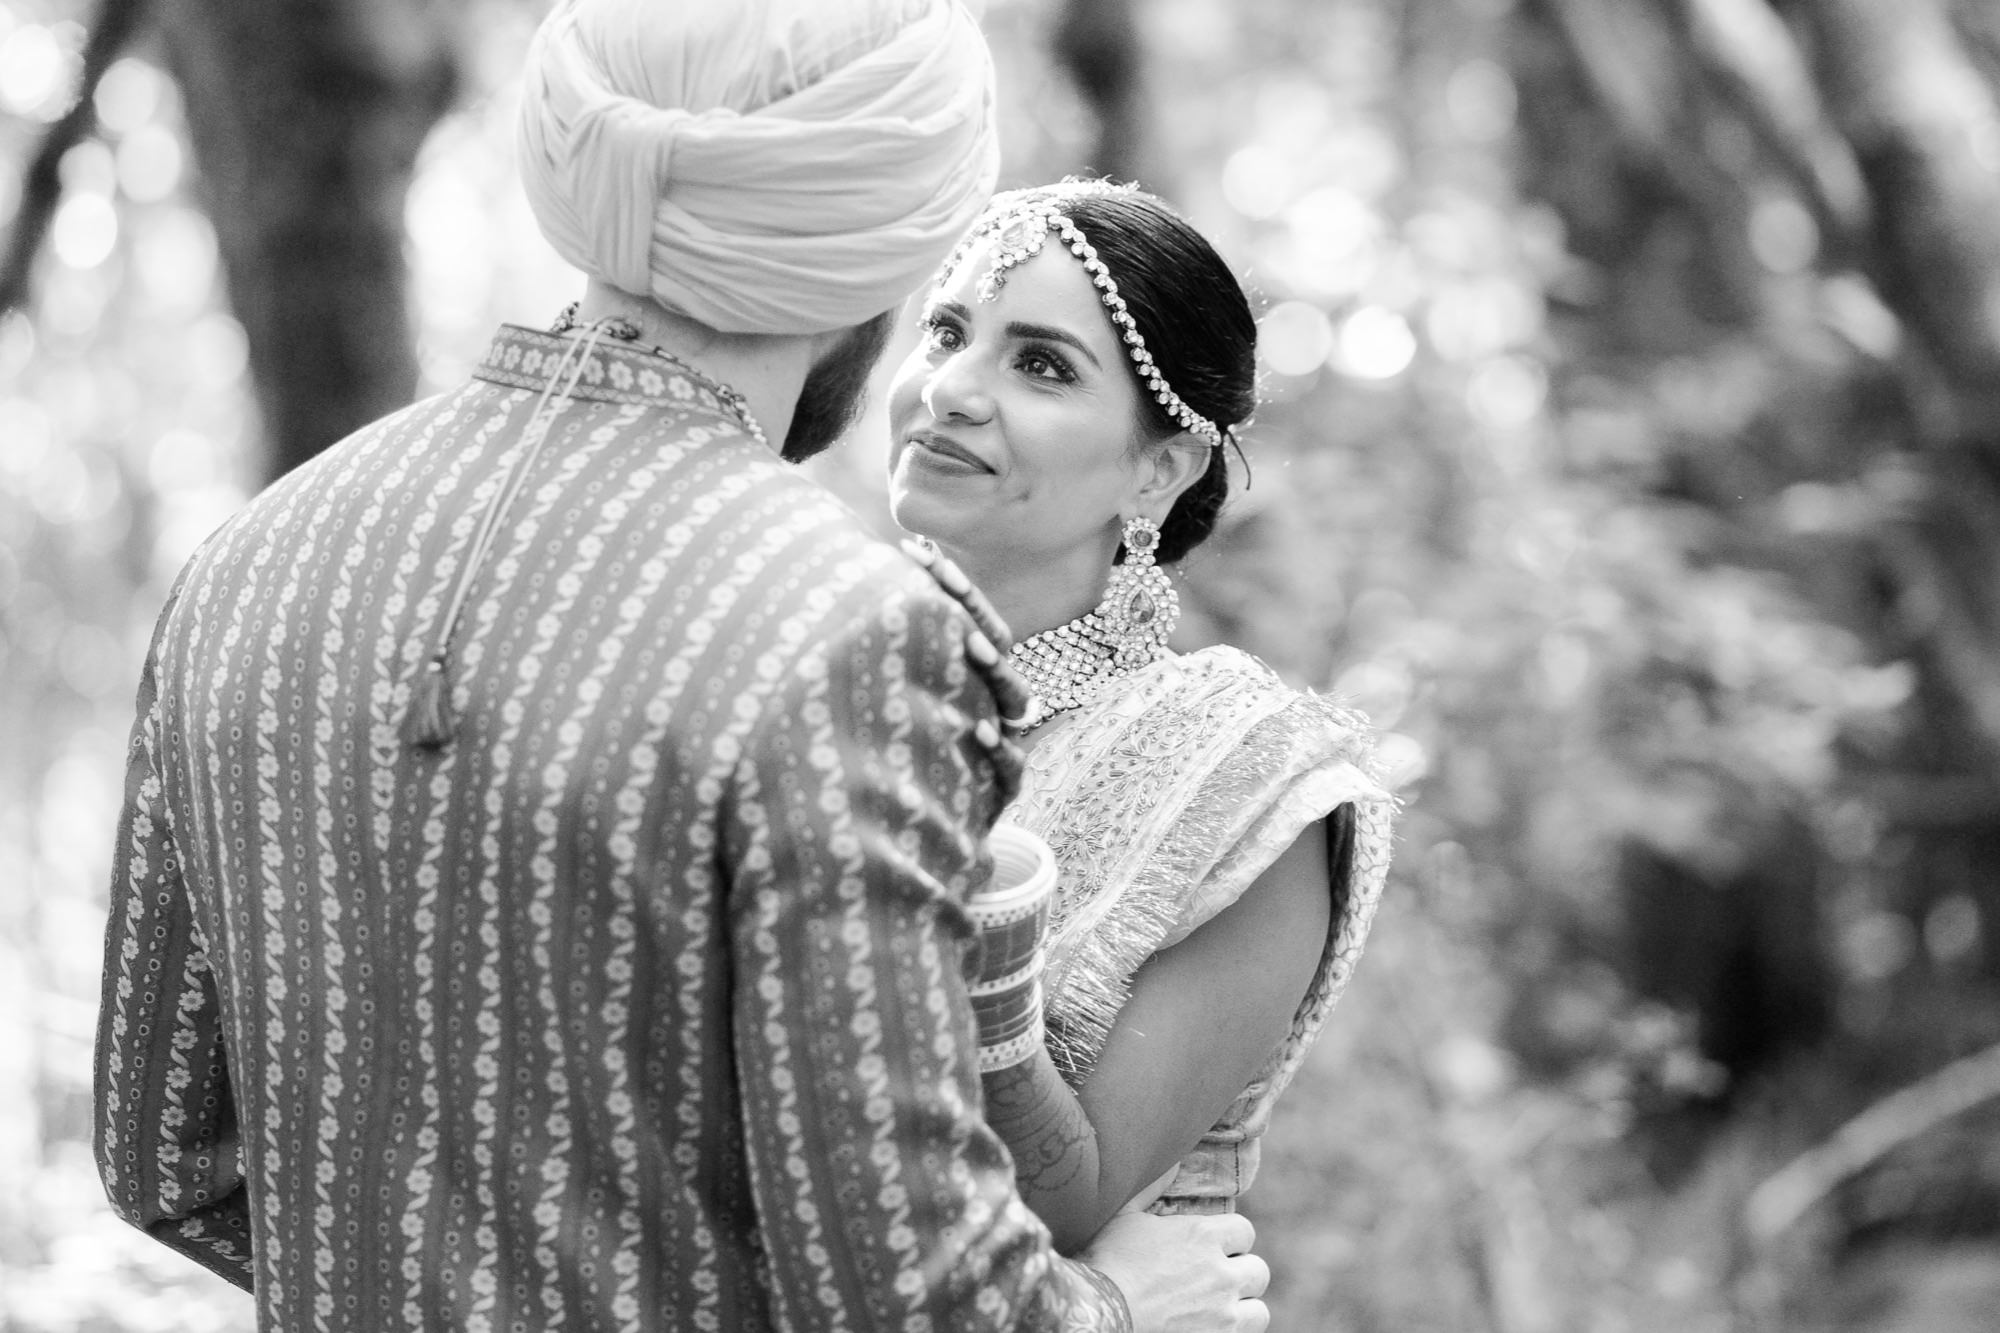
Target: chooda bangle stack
{"type": "Point", "coordinates": [1011, 916]}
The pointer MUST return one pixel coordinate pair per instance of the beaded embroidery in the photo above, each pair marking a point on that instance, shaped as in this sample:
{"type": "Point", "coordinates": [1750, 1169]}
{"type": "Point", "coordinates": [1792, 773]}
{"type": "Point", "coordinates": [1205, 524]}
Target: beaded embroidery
{"type": "Point", "coordinates": [1163, 801]}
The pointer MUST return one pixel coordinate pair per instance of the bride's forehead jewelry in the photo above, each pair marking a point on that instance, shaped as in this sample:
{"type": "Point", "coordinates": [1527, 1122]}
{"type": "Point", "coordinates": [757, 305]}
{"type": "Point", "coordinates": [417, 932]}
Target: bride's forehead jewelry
{"type": "Point", "coordinates": [1019, 224]}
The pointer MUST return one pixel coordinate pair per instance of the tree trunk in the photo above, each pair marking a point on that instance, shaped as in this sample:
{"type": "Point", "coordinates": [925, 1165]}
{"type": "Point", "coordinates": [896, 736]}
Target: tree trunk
{"type": "Point", "coordinates": [1919, 116]}
{"type": "Point", "coordinates": [306, 118]}
{"type": "Point", "coordinates": [1097, 43]}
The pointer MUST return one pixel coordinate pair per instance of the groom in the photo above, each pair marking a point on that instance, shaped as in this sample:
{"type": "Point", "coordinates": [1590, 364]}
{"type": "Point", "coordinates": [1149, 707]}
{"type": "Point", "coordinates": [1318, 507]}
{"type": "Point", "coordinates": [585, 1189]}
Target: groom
{"type": "Point", "coordinates": [537, 896]}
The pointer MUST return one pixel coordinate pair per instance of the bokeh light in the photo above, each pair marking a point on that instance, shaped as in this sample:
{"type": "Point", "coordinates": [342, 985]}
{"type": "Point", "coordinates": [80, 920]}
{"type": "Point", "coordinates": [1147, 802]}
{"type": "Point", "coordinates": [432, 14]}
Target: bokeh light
{"type": "Point", "coordinates": [1877, 945]}
{"type": "Point", "coordinates": [1849, 304]}
{"type": "Point", "coordinates": [1374, 344]}
{"type": "Point", "coordinates": [1783, 235]}
{"type": "Point", "coordinates": [1507, 392]}
{"type": "Point", "coordinates": [1471, 1069]}
{"type": "Point", "coordinates": [477, 257]}
{"type": "Point", "coordinates": [195, 477]}
{"type": "Point", "coordinates": [175, 257]}
{"type": "Point", "coordinates": [24, 424]}
{"type": "Point", "coordinates": [1258, 181]}
{"type": "Point", "coordinates": [85, 230]}
{"type": "Point", "coordinates": [149, 163]}
{"type": "Point", "coordinates": [89, 168]}
{"type": "Point", "coordinates": [218, 351]}
{"type": "Point", "coordinates": [1401, 760]}
{"type": "Point", "coordinates": [1365, 158]}
{"type": "Point", "coordinates": [17, 343]}
{"type": "Point", "coordinates": [1294, 338]}
{"type": "Point", "coordinates": [1293, 115]}
{"type": "Point", "coordinates": [183, 460]}
{"type": "Point", "coordinates": [1381, 687]}
{"type": "Point", "coordinates": [73, 302]}
{"type": "Point", "coordinates": [129, 95]}
{"type": "Point", "coordinates": [34, 72]}
{"type": "Point", "coordinates": [90, 660]}
{"type": "Point", "coordinates": [1334, 236]}
{"type": "Point", "coordinates": [1481, 317]}
{"type": "Point", "coordinates": [1952, 930]}
{"type": "Point", "coordinates": [66, 490]}
{"type": "Point", "coordinates": [1481, 100]}
{"type": "Point", "coordinates": [447, 221]}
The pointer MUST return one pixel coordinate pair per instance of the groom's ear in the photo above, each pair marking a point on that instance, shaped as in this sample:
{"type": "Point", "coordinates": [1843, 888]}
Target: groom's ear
{"type": "Point", "coordinates": [1170, 468]}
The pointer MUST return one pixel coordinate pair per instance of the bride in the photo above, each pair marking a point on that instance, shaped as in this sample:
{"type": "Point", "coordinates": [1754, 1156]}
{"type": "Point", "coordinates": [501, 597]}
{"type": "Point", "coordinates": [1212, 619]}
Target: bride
{"type": "Point", "coordinates": [1220, 840]}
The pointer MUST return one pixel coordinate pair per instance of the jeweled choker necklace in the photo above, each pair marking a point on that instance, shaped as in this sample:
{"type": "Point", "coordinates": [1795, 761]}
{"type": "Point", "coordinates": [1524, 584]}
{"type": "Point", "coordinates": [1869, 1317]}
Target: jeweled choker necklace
{"type": "Point", "coordinates": [1069, 665]}
{"type": "Point", "coordinates": [627, 332]}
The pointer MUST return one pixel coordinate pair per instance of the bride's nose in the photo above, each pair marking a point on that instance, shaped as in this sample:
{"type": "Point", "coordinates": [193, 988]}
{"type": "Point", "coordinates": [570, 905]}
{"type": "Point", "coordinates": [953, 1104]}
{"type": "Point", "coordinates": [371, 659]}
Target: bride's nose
{"type": "Point", "coordinates": [956, 390]}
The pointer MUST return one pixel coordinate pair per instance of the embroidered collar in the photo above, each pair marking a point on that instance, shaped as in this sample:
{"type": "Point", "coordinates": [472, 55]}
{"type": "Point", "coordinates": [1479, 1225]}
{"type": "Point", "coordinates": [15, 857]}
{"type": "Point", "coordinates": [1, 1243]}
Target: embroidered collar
{"type": "Point", "coordinates": [612, 372]}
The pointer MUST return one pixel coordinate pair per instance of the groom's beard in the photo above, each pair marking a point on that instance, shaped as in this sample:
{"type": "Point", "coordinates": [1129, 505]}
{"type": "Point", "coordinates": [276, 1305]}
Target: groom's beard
{"type": "Point", "coordinates": [835, 389]}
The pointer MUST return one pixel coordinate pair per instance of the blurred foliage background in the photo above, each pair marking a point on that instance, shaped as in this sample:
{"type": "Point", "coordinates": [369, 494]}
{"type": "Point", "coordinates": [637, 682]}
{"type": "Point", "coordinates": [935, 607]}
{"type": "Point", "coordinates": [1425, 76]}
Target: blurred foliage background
{"type": "Point", "coordinates": [1632, 455]}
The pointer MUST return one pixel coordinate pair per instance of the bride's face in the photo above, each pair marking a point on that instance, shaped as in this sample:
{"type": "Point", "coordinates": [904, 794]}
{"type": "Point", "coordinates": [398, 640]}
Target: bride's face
{"type": "Point", "coordinates": [1015, 422]}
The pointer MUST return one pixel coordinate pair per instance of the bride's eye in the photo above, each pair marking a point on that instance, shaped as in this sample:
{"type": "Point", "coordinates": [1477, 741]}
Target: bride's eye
{"type": "Point", "coordinates": [1044, 364]}
{"type": "Point", "coordinates": [940, 333]}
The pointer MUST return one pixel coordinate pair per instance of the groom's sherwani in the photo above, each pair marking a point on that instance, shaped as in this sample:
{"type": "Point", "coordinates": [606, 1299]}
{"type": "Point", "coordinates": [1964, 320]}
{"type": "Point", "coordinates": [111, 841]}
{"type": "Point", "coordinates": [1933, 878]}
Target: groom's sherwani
{"type": "Point", "coordinates": [636, 1006]}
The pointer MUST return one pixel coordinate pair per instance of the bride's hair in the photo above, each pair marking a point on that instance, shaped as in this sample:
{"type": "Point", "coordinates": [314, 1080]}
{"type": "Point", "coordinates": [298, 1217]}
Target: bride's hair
{"type": "Point", "coordinates": [1197, 324]}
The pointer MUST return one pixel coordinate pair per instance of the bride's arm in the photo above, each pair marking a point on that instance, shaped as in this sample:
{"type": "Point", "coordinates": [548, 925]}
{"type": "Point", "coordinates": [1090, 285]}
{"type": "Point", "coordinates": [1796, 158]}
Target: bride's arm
{"type": "Point", "coordinates": [1202, 1018]}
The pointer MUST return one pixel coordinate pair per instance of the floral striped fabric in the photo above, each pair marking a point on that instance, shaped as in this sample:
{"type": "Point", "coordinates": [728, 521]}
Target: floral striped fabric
{"type": "Point", "coordinates": [636, 1007]}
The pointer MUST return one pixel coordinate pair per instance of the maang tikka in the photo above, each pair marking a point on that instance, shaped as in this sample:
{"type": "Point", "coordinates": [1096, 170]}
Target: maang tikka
{"type": "Point", "coordinates": [1139, 608]}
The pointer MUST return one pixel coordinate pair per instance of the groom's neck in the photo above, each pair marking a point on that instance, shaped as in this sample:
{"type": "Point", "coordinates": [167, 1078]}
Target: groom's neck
{"type": "Point", "coordinates": [767, 369]}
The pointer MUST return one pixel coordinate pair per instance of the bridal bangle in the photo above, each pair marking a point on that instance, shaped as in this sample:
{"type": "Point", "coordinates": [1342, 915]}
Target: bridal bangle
{"type": "Point", "coordinates": [1009, 1013]}
{"type": "Point", "coordinates": [1010, 917]}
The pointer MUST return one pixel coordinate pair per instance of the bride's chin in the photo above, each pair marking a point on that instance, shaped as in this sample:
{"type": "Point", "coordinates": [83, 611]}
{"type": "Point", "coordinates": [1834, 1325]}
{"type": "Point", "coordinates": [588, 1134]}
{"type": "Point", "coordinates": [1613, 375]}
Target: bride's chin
{"type": "Point", "coordinates": [914, 512]}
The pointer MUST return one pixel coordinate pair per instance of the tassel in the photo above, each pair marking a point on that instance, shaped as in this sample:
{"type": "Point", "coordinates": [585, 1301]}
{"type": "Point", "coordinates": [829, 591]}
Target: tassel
{"type": "Point", "coordinates": [428, 725]}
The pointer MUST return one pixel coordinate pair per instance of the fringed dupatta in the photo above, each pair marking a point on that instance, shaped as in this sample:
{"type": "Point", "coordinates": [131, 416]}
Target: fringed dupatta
{"type": "Point", "coordinates": [1165, 800]}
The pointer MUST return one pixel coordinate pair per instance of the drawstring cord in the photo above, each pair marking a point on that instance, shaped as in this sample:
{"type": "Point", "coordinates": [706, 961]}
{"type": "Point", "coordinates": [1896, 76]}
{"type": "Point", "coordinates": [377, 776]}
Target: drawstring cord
{"type": "Point", "coordinates": [430, 722]}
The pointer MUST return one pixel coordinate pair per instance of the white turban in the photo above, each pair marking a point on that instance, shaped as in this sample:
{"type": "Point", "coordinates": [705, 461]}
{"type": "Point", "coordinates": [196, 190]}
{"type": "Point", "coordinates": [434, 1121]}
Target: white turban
{"type": "Point", "coordinates": [762, 166]}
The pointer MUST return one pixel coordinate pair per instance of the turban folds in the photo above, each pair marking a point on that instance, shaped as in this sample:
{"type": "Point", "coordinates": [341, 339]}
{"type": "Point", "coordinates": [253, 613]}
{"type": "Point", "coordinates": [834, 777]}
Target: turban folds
{"type": "Point", "coordinates": [762, 166]}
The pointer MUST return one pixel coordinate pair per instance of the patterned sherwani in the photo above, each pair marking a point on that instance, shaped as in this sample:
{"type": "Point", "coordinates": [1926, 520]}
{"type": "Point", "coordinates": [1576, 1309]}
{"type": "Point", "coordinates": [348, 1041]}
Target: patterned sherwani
{"type": "Point", "coordinates": [635, 1007]}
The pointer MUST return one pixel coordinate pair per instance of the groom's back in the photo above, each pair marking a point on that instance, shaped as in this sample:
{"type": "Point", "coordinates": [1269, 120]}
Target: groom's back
{"type": "Point", "coordinates": [476, 998]}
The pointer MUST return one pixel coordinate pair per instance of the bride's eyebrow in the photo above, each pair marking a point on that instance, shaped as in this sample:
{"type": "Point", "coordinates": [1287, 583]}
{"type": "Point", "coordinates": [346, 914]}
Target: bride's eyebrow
{"type": "Point", "coordinates": [1050, 333]}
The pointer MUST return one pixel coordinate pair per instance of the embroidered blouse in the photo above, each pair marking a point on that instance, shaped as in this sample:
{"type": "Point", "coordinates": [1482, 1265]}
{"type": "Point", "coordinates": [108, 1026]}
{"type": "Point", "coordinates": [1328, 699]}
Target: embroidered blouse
{"type": "Point", "coordinates": [1163, 800]}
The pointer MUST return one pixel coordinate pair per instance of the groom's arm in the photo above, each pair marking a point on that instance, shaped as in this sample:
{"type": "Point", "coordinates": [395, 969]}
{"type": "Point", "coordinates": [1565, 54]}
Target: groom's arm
{"type": "Point", "coordinates": [855, 829]}
{"type": "Point", "coordinates": [166, 1140]}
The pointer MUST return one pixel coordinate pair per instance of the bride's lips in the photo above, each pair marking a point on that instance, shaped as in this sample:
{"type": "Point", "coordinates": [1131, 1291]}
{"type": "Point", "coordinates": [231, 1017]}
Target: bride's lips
{"type": "Point", "coordinates": [934, 449]}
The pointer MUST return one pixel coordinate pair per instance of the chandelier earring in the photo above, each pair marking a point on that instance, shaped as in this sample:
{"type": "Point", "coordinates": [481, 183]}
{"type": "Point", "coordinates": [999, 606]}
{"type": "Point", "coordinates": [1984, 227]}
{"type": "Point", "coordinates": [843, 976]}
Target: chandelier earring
{"type": "Point", "coordinates": [1139, 607]}
{"type": "Point", "coordinates": [1068, 666]}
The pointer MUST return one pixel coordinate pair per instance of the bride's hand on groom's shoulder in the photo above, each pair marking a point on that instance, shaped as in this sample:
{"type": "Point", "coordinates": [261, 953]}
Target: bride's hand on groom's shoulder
{"type": "Point", "coordinates": [1190, 1274]}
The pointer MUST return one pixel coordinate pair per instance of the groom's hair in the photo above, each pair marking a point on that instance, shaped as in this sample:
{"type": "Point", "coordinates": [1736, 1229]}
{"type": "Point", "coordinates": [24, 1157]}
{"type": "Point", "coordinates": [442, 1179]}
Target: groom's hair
{"type": "Point", "coordinates": [835, 389]}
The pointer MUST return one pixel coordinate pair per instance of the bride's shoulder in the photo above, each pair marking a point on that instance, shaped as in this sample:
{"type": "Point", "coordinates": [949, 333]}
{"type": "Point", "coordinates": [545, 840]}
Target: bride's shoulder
{"type": "Point", "coordinates": [1222, 665]}
{"type": "Point", "coordinates": [1251, 693]}
{"type": "Point", "coordinates": [1225, 671]}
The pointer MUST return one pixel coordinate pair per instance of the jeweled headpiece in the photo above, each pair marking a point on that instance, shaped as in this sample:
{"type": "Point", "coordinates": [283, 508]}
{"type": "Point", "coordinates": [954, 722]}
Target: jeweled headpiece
{"type": "Point", "coordinates": [1020, 223]}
